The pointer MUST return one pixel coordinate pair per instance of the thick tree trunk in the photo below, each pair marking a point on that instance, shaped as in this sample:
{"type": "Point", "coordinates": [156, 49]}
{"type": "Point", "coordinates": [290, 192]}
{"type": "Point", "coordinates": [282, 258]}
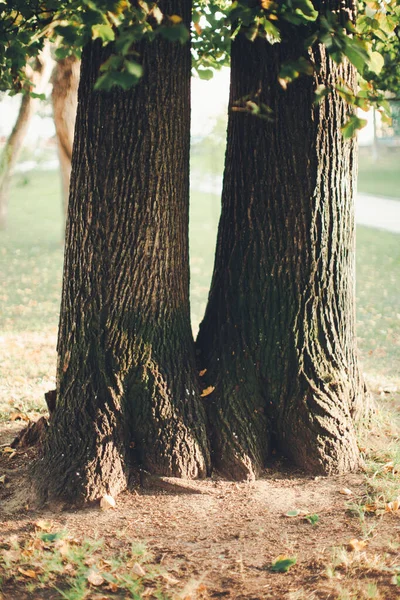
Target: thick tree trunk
{"type": "Point", "coordinates": [14, 143]}
{"type": "Point", "coordinates": [126, 363]}
{"type": "Point", "coordinates": [278, 338]}
{"type": "Point", "coordinates": [65, 80]}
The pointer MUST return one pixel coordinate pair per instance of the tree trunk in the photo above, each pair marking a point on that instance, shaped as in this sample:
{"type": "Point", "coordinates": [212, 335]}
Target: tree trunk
{"type": "Point", "coordinates": [14, 143]}
{"type": "Point", "coordinates": [126, 373]}
{"type": "Point", "coordinates": [65, 80]}
{"type": "Point", "coordinates": [278, 338]}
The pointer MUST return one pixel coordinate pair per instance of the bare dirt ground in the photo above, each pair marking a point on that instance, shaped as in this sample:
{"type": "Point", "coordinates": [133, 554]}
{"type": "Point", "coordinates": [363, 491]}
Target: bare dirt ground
{"type": "Point", "coordinates": [218, 539]}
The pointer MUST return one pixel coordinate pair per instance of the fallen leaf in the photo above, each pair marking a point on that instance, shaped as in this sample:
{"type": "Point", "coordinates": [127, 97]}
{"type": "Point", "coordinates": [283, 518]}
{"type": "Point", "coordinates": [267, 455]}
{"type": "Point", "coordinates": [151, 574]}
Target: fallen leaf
{"type": "Point", "coordinates": [2, 479]}
{"type": "Point", "coordinates": [95, 578]}
{"type": "Point", "coordinates": [209, 390]}
{"type": "Point", "coordinates": [169, 579]}
{"type": "Point", "coordinates": [28, 573]}
{"type": "Point", "coordinates": [107, 502]}
{"type": "Point", "coordinates": [8, 450]}
{"type": "Point", "coordinates": [203, 372]}
{"type": "Point", "coordinates": [355, 544]}
{"type": "Point", "coordinates": [345, 492]}
{"type": "Point", "coordinates": [292, 513]}
{"type": "Point", "coordinates": [370, 508]}
{"type": "Point", "coordinates": [138, 570]}
{"type": "Point", "coordinates": [18, 416]}
{"type": "Point", "coordinates": [393, 506]}
{"type": "Point", "coordinates": [43, 525]}
{"type": "Point", "coordinates": [112, 587]}
{"type": "Point", "coordinates": [283, 564]}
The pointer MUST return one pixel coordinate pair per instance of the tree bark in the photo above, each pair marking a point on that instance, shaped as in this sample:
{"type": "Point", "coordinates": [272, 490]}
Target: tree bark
{"type": "Point", "coordinates": [278, 337]}
{"type": "Point", "coordinates": [126, 376]}
{"type": "Point", "coordinates": [15, 141]}
{"type": "Point", "coordinates": [64, 96]}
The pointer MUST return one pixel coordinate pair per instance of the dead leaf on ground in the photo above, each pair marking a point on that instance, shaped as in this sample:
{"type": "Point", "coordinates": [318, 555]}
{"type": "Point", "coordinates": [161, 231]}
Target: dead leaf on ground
{"type": "Point", "coordinates": [209, 390]}
{"type": "Point", "coordinates": [107, 502]}
{"type": "Point", "coordinates": [28, 573]}
{"type": "Point", "coordinates": [169, 579]}
{"type": "Point", "coordinates": [138, 570]}
{"type": "Point", "coordinates": [18, 416]}
{"type": "Point", "coordinates": [345, 492]}
{"type": "Point", "coordinates": [95, 578]}
{"type": "Point", "coordinates": [356, 544]}
{"type": "Point", "coordinates": [393, 506]}
{"type": "Point", "coordinates": [43, 525]}
{"type": "Point", "coordinates": [2, 478]}
{"type": "Point", "coordinates": [203, 372]}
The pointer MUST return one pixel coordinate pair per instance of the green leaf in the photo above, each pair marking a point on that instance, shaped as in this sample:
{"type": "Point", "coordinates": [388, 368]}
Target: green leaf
{"type": "Point", "coordinates": [313, 519]}
{"type": "Point", "coordinates": [104, 32]}
{"type": "Point", "coordinates": [376, 62]}
{"type": "Point", "coordinates": [282, 565]}
{"type": "Point", "coordinates": [205, 74]}
{"type": "Point", "coordinates": [50, 537]}
{"type": "Point", "coordinates": [134, 68]}
{"type": "Point", "coordinates": [350, 128]}
{"type": "Point", "coordinates": [293, 513]}
{"type": "Point", "coordinates": [175, 33]}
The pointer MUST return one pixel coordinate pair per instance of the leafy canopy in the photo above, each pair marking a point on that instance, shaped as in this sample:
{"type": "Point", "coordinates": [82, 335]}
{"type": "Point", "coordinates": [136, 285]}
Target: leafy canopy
{"type": "Point", "coordinates": [369, 40]}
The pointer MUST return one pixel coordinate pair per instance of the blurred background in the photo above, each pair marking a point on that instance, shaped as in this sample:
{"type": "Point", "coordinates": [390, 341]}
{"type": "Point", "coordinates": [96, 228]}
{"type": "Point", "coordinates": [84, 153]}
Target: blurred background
{"type": "Point", "coordinates": [31, 239]}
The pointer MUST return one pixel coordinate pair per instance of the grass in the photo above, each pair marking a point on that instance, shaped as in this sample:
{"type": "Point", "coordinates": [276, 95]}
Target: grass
{"type": "Point", "coordinates": [380, 178]}
{"type": "Point", "coordinates": [71, 569]}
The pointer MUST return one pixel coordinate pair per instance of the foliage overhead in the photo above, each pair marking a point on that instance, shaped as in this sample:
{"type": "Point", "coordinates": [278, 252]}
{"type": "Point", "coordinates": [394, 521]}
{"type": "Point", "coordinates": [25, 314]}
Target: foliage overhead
{"type": "Point", "coordinates": [369, 40]}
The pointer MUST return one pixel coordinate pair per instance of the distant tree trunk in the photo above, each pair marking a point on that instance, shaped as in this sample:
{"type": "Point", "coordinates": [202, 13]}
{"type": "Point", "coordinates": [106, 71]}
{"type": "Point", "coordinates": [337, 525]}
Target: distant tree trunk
{"type": "Point", "coordinates": [126, 374]}
{"type": "Point", "coordinates": [65, 80]}
{"type": "Point", "coordinates": [278, 337]}
{"type": "Point", "coordinates": [14, 143]}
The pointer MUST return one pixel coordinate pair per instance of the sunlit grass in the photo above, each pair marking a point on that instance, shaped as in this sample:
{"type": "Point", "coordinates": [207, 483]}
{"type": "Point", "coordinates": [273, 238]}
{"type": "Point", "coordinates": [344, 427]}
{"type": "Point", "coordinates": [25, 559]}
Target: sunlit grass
{"type": "Point", "coordinates": [381, 177]}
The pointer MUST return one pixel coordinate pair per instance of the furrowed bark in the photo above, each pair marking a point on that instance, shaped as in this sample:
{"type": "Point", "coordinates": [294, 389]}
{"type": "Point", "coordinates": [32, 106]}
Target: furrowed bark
{"type": "Point", "coordinates": [64, 97]}
{"type": "Point", "coordinates": [126, 362]}
{"type": "Point", "coordinates": [278, 338]}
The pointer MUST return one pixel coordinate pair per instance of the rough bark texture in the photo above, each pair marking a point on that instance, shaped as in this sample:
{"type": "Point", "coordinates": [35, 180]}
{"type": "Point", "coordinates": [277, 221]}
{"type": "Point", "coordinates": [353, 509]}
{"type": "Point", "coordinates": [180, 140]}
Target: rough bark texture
{"type": "Point", "coordinates": [14, 143]}
{"type": "Point", "coordinates": [126, 361]}
{"type": "Point", "coordinates": [278, 338]}
{"type": "Point", "coordinates": [64, 96]}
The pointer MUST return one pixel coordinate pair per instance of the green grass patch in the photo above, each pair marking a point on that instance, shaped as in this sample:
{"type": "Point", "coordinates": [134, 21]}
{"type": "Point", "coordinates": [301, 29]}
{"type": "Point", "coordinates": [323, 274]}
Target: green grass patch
{"type": "Point", "coordinates": [380, 178]}
{"type": "Point", "coordinates": [378, 311]}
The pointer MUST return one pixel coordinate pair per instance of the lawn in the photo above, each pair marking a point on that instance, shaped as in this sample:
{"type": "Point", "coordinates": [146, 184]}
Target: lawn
{"type": "Point", "coordinates": [381, 177]}
{"type": "Point", "coordinates": [208, 539]}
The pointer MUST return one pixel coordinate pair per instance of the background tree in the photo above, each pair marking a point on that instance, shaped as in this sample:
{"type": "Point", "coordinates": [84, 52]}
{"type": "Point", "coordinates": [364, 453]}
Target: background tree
{"type": "Point", "coordinates": [64, 97]}
{"type": "Point", "coordinates": [36, 72]}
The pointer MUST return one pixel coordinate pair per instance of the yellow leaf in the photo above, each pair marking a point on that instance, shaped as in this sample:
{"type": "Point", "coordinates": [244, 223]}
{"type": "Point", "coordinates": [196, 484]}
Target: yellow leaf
{"type": "Point", "coordinates": [175, 19]}
{"type": "Point", "coordinates": [2, 479]}
{"type": "Point", "coordinates": [138, 570]}
{"type": "Point", "coordinates": [203, 372]}
{"type": "Point", "coordinates": [370, 508]}
{"type": "Point", "coordinates": [207, 391]}
{"type": "Point", "coordinates": [43, 525]}
{"type": "Point", "coordinates": [393, 506]}
{"type": "Point", "coordinates": [95, 578]}
{"type": "Point", "coordinates": [107, 502]}
{"type": "Point", "coordinates": [199, 32]}
{"type": "Point", "coordinates": [8, 450]}
{"type": "Point", "coordinates": [18, 416]}
{"type": "Point", "coordinates": [358, 545]}
{"type": "Point", "coordinates": [28, 573]}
